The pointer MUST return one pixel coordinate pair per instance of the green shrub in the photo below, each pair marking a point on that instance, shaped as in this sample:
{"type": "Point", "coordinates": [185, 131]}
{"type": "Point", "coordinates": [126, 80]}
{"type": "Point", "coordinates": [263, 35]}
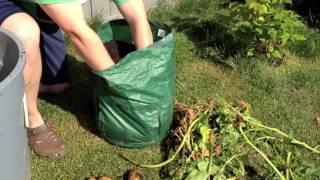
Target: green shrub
{"type": "Point", "coordinates": [264, 26]}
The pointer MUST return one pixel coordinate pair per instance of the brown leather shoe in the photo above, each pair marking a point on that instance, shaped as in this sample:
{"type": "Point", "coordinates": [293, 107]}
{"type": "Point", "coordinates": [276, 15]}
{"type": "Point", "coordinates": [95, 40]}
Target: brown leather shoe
{"type": "Point", "coordinates": [45, 142]}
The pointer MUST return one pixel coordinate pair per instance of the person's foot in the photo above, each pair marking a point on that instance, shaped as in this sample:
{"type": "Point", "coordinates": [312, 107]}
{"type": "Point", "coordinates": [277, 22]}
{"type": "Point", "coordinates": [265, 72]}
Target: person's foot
{"type": "Point", "coordinates": [53, 89]}
{"type": "Point", "coordinates": [45, 142]}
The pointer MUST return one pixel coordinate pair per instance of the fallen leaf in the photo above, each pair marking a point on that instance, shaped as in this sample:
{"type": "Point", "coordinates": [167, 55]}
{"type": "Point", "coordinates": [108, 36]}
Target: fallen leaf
{"type": "Point", "coordinates": [195, 156]}
{"type": "Point", "coordinates": [218, 150]}
{"type": "Point", "coordinates": [212, 103]}
{"type": "Point", "coordinates": [212, 143]}
{"type": "Point", "coordinates": [244, 106]}
{"type": "Point", "coordinates": [191, 113]}
{"type": "Point", "coordinates": [205, 153]}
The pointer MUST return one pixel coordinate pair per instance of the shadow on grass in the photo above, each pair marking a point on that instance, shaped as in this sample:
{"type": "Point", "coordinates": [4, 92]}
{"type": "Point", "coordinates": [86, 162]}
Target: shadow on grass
{"type": "Point", "coordinates": [77, 99]}
{"type": "Point", "coordinates": [211, 39]}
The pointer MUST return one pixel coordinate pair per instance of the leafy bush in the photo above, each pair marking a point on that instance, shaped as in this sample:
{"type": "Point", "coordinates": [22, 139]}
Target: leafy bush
{"type": "Point", "coordinates": [223, 28]}
{"type": "Point", "coordinates": [264, 26]}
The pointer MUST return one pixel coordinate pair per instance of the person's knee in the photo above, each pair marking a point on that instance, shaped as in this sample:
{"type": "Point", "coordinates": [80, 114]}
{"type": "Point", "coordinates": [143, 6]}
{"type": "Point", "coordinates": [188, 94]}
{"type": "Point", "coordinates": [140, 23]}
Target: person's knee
{"type": "Point", "coordinates": [25, 28]}
{"type": "Point", "coordinates": [29, 33]}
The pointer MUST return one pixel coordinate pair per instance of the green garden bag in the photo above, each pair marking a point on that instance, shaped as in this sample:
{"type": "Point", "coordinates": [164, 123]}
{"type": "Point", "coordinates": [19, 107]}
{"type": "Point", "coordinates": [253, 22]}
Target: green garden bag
{"type": "Point", "coordinates": [134, 98]}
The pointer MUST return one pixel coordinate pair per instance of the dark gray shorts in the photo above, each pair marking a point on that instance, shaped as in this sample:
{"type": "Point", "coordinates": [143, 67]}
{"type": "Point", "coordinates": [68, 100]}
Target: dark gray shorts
{"type": "Point", "coordinates": [52, 46]}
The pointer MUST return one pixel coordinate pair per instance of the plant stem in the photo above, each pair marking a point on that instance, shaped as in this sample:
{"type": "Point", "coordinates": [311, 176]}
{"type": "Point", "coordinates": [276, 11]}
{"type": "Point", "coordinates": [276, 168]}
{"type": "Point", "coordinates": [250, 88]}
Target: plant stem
{"type": "Point", "coordinates": [266, 137]}
{"type": "Point", "coordinates": [288, 166]}
{"type": "Point", "coordinates": [229, 160]}
{"type": "Point", "coordinates": [262, 154]}
{"type": "Point", "coordinates": [254, 122]}
{"type": "Point", "coordinates": [256, 129]}
{"type": "Point", "coordinates": [188, 159]}
{"type": "Point", "coordinates": [175, 154]}
{"type": "Point", "coordinates": [159, 164]}
{"type": "Point", "coordinates": [293, 141]}
{"type": "Point", "coordinates": [292, 175]}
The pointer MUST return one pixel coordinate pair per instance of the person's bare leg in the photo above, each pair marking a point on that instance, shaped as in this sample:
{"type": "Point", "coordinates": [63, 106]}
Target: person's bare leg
{"type": "Point", "coordinates": [27, 30]}
{"type": "Point", "coordinates": [69, 17]}
{"type": "Point", "coordinates": [41, 138]}
{"type": "Point", "coordinates": [135, 14]}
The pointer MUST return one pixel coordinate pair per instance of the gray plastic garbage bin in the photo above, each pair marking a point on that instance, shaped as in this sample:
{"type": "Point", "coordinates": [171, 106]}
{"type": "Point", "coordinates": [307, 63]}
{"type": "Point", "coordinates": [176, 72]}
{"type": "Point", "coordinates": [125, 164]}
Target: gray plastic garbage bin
{"type": "Point", "coordinates": [14, 154]}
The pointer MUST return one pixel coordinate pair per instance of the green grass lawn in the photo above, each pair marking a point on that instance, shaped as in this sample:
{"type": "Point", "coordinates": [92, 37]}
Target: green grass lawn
{"type": "Point", "coordinates": [286, 97]}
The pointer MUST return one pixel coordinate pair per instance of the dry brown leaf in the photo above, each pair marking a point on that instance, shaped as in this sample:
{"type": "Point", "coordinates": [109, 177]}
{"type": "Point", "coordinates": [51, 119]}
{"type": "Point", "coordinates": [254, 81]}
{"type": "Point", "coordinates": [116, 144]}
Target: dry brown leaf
{"type": "Point", "coordinates": [244, 106]}
{"type": "Point", "coordinates": [218, 150]}
{"type": "Point", "coordinates": [205, 153]}
{"type": "Point", "coordinates": [212, 140]}
{"type": "Point", "coordinates": [212, 103]}
{"type": "Point", "coordinates": [191, 113]}
{"type": "Point", "coordinates": [195, 156]}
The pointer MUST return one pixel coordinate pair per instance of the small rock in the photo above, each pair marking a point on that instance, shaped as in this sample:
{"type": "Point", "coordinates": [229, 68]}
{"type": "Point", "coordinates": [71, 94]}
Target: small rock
{"type": "Point", "coordinates": [317, 120]}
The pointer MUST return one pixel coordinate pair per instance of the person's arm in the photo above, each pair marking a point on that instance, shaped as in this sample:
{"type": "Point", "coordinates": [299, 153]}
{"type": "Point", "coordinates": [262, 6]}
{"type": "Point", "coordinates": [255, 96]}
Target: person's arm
{"type": "Point", "coordinates": [69, 17]}
{"type": "Point", "coordinates": [135, 14]}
